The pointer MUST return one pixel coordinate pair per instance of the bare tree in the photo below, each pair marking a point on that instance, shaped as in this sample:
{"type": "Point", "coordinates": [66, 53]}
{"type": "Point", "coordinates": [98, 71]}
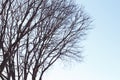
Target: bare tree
{"type": "Point", "coordinates": [34, 34]}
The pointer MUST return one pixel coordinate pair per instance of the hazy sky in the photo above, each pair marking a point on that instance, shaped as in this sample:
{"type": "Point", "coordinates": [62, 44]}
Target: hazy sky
{"type": "Point", "coordinates": [102, 46]}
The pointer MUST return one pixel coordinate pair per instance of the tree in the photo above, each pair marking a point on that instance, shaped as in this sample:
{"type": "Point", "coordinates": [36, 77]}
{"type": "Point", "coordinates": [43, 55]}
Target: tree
{"type": "Point", "coordinates": [34, 34]}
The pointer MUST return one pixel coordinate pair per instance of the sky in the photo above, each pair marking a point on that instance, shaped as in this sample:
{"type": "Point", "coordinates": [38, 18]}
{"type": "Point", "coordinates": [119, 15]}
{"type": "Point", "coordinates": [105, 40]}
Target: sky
{"type": "Point", "coordinates": [101, 47]}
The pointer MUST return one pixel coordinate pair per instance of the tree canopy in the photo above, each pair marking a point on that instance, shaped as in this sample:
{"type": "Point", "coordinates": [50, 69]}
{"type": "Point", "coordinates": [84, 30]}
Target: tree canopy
{"type": "Point", "coordinates": [34, 34]}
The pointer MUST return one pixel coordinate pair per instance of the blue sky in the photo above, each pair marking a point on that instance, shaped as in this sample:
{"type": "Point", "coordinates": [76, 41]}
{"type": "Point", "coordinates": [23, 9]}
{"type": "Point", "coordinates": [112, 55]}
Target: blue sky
{"type": "Point", "coordinates": [102, 46]}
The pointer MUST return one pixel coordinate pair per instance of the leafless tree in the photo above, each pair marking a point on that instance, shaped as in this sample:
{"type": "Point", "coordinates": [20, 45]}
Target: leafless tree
{"type": "Point", "coordinates": [34, 34]}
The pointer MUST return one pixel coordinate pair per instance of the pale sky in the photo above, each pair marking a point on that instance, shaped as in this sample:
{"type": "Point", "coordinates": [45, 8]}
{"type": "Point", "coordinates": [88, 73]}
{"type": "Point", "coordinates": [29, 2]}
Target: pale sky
{"type": "Point", "coordinates": [101, 47]}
